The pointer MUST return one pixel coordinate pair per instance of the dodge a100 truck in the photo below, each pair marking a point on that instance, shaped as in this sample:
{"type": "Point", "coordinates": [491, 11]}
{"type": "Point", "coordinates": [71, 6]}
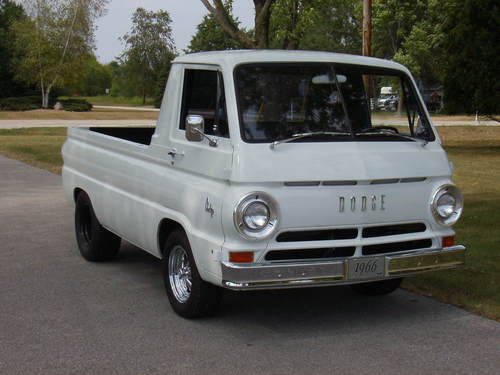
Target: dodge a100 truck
{"type": "Point", "coordinates": [271, 169]}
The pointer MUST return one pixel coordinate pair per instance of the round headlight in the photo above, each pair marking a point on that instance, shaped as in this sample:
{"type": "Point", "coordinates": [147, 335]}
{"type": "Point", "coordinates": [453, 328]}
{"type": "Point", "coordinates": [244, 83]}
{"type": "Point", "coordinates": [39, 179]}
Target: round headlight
{"type": "Point", "coordinates": [447, 205]}
{"type": "Point", "coordinates": [255, 216]}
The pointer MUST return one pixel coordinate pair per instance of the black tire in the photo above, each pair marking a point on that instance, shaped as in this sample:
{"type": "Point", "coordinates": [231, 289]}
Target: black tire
{"type": "Point", "coordinates": [202, 299]}
{"type": "Point", "coordinates": [377, 288]}
{"type": "Point", "coordinates": [96, 244]}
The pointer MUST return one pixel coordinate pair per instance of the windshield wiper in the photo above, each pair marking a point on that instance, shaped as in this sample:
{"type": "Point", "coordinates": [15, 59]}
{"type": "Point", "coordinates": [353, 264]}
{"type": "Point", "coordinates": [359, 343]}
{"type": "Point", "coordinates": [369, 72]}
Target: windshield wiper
{"type": "Point", "coordinates": [422, 142]}
{"type": "Point", "coordinates": [305, 135]}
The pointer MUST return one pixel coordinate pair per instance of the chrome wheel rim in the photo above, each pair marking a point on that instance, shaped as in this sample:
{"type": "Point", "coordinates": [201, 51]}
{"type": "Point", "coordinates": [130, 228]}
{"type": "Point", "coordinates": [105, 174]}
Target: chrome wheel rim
{"type": "Point", "coordinates": [179, 273]}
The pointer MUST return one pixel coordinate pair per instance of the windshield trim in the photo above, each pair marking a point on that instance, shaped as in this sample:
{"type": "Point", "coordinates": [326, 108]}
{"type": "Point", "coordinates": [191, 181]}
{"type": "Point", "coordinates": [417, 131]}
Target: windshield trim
{"type": "Point", "coordinates": [373, 69]}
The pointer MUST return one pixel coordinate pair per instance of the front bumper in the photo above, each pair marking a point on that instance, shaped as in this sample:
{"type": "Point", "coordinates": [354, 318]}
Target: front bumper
{"type": "Point", "coordinates": [323, 273]}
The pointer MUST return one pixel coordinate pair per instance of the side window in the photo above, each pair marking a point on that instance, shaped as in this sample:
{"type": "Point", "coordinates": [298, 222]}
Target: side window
{"type": "Point", "coordinates": [203, 94]}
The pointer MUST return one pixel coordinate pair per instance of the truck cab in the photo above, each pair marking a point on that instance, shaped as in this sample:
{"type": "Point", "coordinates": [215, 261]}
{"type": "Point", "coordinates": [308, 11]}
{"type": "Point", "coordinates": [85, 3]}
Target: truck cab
{"type": "Point", "coordinates": [270, 169]}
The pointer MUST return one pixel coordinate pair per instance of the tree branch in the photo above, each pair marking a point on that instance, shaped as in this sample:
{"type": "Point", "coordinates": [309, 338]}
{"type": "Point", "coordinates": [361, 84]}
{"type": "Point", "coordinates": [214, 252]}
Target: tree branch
{"type": "Point", "coordinates": [219, 12]}
{"type": "Point", "coordinates": [264, 12]}
{"type": "Point", "coordinates": [66, 44]}
{"type": "Point", "coordinates": [209, 6]}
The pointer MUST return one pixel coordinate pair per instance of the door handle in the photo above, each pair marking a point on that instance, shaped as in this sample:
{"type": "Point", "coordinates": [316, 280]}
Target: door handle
{"type": "Point", "coordinates": [173, 152]}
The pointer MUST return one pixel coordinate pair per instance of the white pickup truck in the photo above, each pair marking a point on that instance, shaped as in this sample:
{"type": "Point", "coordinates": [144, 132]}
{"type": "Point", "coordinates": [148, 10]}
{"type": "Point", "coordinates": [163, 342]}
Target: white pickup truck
{"type": "Point", "coordinates": [270, 169]}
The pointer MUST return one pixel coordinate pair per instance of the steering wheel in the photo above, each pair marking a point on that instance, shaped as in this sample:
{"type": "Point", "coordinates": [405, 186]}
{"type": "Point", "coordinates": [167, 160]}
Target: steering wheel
{"type": "Point", "coordinates": [395, 130]}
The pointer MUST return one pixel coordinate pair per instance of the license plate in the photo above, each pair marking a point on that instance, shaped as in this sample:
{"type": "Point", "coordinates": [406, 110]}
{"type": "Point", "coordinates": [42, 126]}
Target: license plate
{"type": "Point", "coordinates": [365, 268]}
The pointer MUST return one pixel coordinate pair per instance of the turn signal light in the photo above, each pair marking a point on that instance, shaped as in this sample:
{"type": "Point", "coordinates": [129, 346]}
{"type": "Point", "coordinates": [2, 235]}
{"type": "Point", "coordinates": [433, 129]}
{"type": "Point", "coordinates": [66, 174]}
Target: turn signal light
{"type": "Point", "coordinates": [448, 241]}
{"type": "Point", "coordinates": [241, 256]}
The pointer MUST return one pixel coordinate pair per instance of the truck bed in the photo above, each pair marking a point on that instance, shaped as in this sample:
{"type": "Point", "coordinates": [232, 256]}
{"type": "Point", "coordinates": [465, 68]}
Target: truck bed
{"type": "Point", "coordinates": [140, 135]}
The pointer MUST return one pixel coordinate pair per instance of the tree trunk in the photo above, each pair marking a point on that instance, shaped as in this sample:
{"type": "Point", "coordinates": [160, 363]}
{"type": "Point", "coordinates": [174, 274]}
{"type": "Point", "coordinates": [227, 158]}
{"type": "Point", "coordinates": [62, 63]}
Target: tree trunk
{"type": "Point", "coordinates": [367, 27]}
{"type": "Point", "coordinates": [367, 41]}
{"type": "Point", "coordinates": [46, 94]}
{"type": "Point", "coordinates": [262, 17]}
{"type": "Point", "coordinates": [291, 40]}
{"type": "Point", "coordinates": [143, 98]}
{"type": "Point", "coordinates": [45, 98]}
{"type": "Point", "coordinates": [219, 12]}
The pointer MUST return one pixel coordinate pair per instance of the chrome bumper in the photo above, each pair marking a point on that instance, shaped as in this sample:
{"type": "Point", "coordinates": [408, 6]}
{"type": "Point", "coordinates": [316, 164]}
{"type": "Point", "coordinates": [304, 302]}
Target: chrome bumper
{"type": "Point", "coordinates": [302, 274]}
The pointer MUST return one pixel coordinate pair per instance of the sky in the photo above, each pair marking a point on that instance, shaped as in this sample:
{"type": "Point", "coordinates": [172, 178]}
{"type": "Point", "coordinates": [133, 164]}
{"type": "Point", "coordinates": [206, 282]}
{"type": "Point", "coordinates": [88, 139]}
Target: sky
{"type": "Point", "coordinates": [185, 14]}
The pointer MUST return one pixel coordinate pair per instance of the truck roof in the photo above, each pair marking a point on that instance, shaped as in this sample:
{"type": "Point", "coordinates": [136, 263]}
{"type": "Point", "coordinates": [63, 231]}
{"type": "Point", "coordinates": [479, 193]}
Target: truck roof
{"type": "Point", "coordinates": [232, 58]}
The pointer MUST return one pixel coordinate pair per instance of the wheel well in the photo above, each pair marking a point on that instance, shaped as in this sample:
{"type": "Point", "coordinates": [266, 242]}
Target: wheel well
{"type": "Point", "coordinates": [76, 192]}
{"type": "Point", "coordinates": [166, 227]}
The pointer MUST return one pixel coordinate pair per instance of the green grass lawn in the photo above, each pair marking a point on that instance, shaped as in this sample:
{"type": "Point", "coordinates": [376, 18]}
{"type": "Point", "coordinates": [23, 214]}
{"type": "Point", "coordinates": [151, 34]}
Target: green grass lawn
{"type": "Point", "coordinates": [476, 287]}
{"type": "Point", "coordinates": [40, 147]}
{"type": "Point", "coordinates": [95, 114]}
{"type": "Point", "coordinates": [134, 101]}
{"type": "Point", "coordinates": [475, 152]}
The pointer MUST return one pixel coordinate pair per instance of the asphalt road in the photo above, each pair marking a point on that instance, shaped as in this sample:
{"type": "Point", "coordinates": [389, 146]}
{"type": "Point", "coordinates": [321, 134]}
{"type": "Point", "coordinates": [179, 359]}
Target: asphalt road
{"type": "Point", "coordinates": [62, 315]}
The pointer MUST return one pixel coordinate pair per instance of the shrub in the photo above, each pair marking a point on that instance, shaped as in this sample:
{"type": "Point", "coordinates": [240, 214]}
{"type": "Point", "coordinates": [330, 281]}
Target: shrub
{"type": "Point", "coordinates": [76, 105]}
{"type": "Point", "coordinates": [24, 103]}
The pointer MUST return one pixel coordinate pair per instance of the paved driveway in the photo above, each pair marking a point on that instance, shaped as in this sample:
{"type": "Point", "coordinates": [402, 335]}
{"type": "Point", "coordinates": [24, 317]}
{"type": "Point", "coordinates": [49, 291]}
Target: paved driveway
{"type": "Point", "coordinates": [62, 315]}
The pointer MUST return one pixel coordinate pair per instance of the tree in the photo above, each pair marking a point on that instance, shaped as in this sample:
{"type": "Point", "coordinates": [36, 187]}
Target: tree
{"type": "Point", "coordinates": [329, 25]}
{"type": "Point", "coordinates": [120, 85]}
{"type": "Point", "coordinates": [294, 24]}
{"type": "Point", "coordinates": [290, 19]}
{"type": "Point", "coordinates": [159, 87]}
{"type": "Point", "coordinates": [393, 21]}
{"type": "Point", "coordinates": [149, 49]}
{"type": "Point", "coordinates": [472, 56]}
{"type": "Point", "coordinates": [95, 78]}
{"type": "Point", "coordinates": [54, 41]}
{"type": "Point", "coordinates": [261, 28]}
{"type": "Point", "coordinates": [210, 36]}
{"type": "Point", "coordinates": [453, 43]}
{"type": "Point", "coordinates": [422, 51]}
{"type": "Point", "coordinates": [10, 12]}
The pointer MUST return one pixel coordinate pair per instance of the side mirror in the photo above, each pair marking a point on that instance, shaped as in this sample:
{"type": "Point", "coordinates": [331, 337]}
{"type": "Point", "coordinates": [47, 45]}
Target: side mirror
{"type": "Point", "coordinates": [195, 130]}
{"type": "Point", "coordinates": [195, 127]}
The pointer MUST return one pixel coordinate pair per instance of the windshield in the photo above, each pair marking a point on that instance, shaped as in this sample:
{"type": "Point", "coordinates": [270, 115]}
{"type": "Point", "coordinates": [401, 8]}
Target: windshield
{"type": "Point", "coordinates": [278, 101]}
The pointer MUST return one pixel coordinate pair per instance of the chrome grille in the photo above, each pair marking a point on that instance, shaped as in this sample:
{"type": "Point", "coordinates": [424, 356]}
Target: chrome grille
{"type": "Point", "coordinates": [318, 235]}
{"type": "Point", "coordinates": [370, 240]}
{"type": "Point", "coordinates": [392, 247]}
{"type": "Point", "coordinates": [350, 233]}
{"type": "Point", "coordinates": [299, 254]}
{"type": "Point", "coordinates": [393, 230]}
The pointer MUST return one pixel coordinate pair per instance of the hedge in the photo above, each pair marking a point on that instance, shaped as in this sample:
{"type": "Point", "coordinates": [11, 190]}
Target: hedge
{"type": "Point", "coordinates": [28, 103]}
{"type": "Point", "coordinates": [24, 103]}
{"type": "Point", "coordinates": [76, 105]}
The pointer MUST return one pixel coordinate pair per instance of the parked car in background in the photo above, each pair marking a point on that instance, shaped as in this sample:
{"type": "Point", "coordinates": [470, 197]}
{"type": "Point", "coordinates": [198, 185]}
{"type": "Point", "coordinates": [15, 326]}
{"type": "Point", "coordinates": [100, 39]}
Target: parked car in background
{"type": "Point", "coordinates": [387, 100]}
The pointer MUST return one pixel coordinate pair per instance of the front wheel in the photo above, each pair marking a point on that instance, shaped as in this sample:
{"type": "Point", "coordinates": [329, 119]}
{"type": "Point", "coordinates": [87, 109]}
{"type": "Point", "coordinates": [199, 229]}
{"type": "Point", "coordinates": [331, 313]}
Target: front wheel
{"type": "Point", "coordinates": [377, 288]}
{"type": "Point", "coordinates": [190, 296]}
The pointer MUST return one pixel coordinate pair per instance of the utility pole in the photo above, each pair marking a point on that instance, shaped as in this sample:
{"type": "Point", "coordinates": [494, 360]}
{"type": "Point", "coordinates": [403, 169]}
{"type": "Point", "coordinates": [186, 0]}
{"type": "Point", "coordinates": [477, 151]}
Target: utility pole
{"type": "Point", "coordinates": [367, 27]}
{"type": "Point", "coordinates": [367, 44]}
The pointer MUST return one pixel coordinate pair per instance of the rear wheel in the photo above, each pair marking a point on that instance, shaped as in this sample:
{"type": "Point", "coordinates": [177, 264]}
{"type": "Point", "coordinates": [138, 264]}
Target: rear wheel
{"type": "Point", "coordinates": [190, 296]}
{"type": "Point", "coordinates": [377, 288]}
{"type": "Point", "coordinates": [96, 243]}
